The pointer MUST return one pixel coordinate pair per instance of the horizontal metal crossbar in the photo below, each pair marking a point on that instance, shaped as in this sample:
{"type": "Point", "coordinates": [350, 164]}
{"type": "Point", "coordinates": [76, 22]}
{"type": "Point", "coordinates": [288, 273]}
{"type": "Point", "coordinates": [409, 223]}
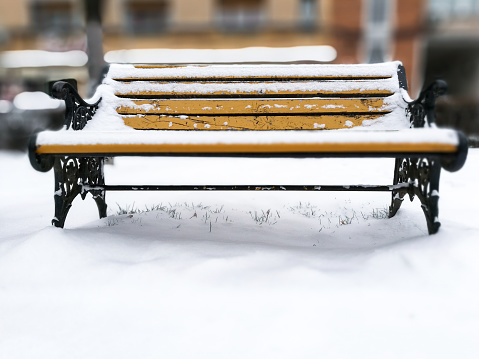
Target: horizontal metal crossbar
{"type": "Point", "coordinates": [327, 188]}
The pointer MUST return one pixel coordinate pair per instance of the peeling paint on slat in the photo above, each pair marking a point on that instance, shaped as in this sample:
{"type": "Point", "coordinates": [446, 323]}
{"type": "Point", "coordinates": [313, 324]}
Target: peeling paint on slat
{"type": "Point", "coordinates": [255, 106]}
{"type": "Point", "coordinates": [260, 123]}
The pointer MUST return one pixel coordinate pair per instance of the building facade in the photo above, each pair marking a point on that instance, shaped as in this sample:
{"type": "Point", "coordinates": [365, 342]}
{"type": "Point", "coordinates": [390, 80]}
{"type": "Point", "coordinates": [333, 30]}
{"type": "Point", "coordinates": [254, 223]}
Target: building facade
{"type": "Point", "coordinates": [452, 53]}
{"type": "Point", "coordinates": [360, 30]}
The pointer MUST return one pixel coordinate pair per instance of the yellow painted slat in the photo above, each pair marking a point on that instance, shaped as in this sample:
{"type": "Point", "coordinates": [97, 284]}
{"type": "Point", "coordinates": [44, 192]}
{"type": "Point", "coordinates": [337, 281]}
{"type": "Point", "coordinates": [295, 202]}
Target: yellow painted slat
{"type": "Point", "coordinates": [238, 92]}
{"type": "Point", "coordinates": [249, 148]}
{"type": "Point", "coordinates": [255, 106]}
{"type": "Point", "coordinates": [162, 66]}
{"type": "Point", "coordinates": [258, 123]}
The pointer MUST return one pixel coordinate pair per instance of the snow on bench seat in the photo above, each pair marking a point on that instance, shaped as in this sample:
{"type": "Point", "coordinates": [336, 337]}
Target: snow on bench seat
{"type": "Point", "coordinates": [131, 142]}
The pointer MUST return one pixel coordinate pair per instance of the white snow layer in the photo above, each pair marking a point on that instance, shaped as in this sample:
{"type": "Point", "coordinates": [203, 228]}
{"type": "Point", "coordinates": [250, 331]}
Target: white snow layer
{"type": "Point", "coordinates": [423, 135]}
{"type": "Point", "coordinates": [40, 58]}
{"type": "Point", "coordinates": [36, 101]}
{"type": "Point", "coordinates": [249, 54]}
{"type": "Point", "coordinates": [308, 70]}
{"type": "Point", "coordinates": [252, 87]}
{"type": "Point", "coordinates": [238, 274]}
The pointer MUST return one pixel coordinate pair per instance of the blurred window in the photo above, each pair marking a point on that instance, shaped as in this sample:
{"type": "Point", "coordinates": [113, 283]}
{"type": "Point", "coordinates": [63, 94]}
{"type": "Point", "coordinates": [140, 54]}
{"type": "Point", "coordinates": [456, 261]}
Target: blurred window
{"type": "Point", "coordinates": [308, 14]}
{"type": "Point", "coordinates": [440, 10]}
{"type": "Point", "coordinates": [240, 15]}
{"type": "Point", "coordinates": [378, 30]}
{"type": "Point", "coordinates": [378, 11]}
{"type": "Point", "coordinates": [146, 16]}
{"type": "Point", "coordinates": [54, 16]}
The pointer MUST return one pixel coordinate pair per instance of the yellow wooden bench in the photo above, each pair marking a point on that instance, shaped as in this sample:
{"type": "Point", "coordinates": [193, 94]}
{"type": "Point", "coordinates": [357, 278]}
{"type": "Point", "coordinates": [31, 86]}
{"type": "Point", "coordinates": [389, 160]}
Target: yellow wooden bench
{"type": "Point", "coordinates": [250, 110]}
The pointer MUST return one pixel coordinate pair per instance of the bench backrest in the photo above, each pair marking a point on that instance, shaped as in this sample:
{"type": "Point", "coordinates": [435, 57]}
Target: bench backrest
{"type": "Point", "coordinates": [257, 97]}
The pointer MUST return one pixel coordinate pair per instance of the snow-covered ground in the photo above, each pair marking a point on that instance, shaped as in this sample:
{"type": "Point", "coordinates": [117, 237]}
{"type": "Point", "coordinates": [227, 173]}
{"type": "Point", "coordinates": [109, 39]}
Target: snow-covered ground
{"type": "Point", "coordinates": [238, 274]}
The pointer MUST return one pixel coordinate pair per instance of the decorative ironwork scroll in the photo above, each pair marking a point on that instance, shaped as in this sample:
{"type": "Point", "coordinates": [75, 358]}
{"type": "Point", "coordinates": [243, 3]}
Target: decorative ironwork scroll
{"type": "Point", "coordinates": [422, 176]}
{"type": "Point", "coordinates": [422, 109]}
{"type": "Point", "coordinates": [78, 112]}
{"type": "Point", "coordinates": [73, 177]}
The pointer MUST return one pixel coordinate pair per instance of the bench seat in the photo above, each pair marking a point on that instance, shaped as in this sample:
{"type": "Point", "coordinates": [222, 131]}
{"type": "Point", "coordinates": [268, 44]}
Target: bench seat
{"type": "Point", "coordinates": [315, 143]}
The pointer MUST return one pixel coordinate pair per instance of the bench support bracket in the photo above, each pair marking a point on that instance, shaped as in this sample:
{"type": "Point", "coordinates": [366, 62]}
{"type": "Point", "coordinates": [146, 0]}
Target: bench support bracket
{"type": "Point", "coordinates": [73, 177]}
{"type": "Point", "coordinates": [78, 112]}
{"type": "Point", "coordinates": [422, 175]}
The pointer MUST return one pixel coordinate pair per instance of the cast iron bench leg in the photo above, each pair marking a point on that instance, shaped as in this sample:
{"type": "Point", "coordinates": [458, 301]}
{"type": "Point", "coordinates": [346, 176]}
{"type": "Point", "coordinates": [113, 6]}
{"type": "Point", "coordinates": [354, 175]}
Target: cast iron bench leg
{"type": "Point", "coordinates": [73, 176]}
{"type": "Point", "coordinates": [427, 191]}
{"type": "Point", "coordinates": [422, 174]}
{"type": "Point", "coordinates": [67, 187]}
{"type": "Point", "coordinates": [400, 177]}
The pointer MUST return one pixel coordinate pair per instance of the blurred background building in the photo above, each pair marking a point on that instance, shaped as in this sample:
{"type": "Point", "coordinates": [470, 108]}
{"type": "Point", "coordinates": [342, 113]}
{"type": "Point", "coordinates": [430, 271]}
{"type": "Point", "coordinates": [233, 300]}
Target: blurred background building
{"type": "Point", "coordinates": [433, 38]}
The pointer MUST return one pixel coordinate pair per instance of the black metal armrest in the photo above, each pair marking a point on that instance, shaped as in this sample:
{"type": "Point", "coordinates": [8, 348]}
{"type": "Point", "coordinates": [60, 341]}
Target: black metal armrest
{"type": "Point", "coordinates": [423, 107]}
{"type": "Point", "coordinates": [455, 162]}
{"type": "Point", "coordinates": [41, 163]}
{"type": "Point", "coordinates": [78, 112]}
{"type": "Point", "coordinates": [422, 112]}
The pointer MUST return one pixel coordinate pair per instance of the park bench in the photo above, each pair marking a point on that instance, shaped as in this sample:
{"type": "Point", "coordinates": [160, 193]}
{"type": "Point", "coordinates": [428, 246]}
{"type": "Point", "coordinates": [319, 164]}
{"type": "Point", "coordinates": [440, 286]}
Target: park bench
{"type": "Point", "coordinates": [291, 110]}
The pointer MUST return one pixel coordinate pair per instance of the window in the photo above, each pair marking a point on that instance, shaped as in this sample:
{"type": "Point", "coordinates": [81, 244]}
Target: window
{"type": "Point", "coordinates": [54, 16]}
{"type": "Point", "coordinates": [378, 30]}
{"type": "Point", "coordinates": [240, 15]}
{"type": "Point", "coordinates": [378, 11]}
{"type": "Point", "coordinates": [308, 10]}
{"type": "Point", "coordinates": [440, 10]}
{"type": "Point", "coordinates": [146, 16]}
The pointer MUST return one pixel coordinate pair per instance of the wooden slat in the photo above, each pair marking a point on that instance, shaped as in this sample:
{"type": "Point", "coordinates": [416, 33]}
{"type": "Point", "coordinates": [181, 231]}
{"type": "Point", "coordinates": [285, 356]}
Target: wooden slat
{"type": "Point", "coordinates": [359, 88]}
{"type": "Point", "coordinates": [237, 92]}
{"type": "Point", "coordinates": [253, 78]}
{"type": "Point", "coordinates": [249, 148]}
{"type": "Point", "coordinates": [260, 123]}
{"type": "Point", "coordinates": [163, 66]}
{"type": "Point", "coordinates": [232, 73]}
{"type": "Point", "coordinates": [255, 106]}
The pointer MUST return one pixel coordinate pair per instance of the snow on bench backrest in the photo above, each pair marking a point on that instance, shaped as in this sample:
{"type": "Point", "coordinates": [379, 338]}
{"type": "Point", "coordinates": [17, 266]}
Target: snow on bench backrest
{"type": "Point", "coordinates": [253, 97]}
